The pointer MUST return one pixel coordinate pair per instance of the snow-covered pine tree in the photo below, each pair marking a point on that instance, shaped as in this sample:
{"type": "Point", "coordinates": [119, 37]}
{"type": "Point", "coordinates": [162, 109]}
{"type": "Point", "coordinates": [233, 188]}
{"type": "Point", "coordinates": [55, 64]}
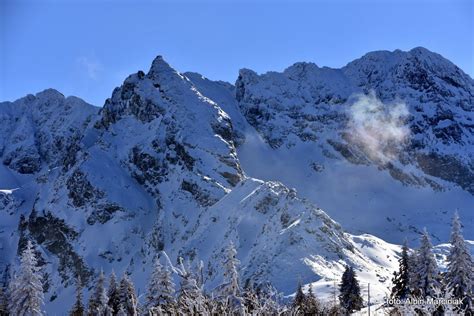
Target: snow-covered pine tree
{"type": "Point", "coordinates": [78, 307]}
{"type": "Point", "coordinates": [270, 301]}
{"type": "Point", "coordinates": [191, 299]}
{"type": "Point", "coordinates": [161, 289]}
{"type": "Point", "coordinates": [128, 298]}
{"type": "Point", "coordinates": [231, 287]}
{"type": "Point", "coordinates": [413, 277]}
{"type": "Point", "coordinates": [312, 304]}
{"type": "Point", "coordinates": [98, 301]}
{"type": "Point", "coordinates": [299, 300]}
{"type": "Point", "coordinates": [426, 268]}
{"type": "Point", "coordinates": [459, 277]}
{"type": "Point", "coordinates": [26, 289]}
{"type": "Point", "coordinates": [113, 294]}
{"type": "Point", "coordinates": [349, 290]}
{"type": "Point", "coordinates": [401, 279]}
{"type": "Point", "coordinates": [250, 299]}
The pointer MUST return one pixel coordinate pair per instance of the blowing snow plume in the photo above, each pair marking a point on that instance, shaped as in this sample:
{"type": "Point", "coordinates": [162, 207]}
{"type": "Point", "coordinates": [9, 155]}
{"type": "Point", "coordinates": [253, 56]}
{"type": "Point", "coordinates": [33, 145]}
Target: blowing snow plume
{"type": "Point", "coordinates": [378, 128]}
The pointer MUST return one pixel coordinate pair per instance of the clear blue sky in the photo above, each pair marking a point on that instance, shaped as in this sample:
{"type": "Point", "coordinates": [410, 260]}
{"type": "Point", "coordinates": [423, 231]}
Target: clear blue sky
{"type": "Point", "coordinates": [86, 48]}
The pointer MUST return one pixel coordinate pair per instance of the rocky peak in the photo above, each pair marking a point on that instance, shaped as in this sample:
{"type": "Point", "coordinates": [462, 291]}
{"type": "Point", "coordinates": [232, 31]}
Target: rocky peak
{"type": "Point", "coordinates": [50, 94]}
{"type": "Point", "coordinates": [419, 70]}
{"type": "Point", "coordinates": [43, 127]}
{"type": "Point", "coordinates": [160, 68]}
{"type": "Point", "coordinates": [306, 103]}
{"type": "Point", "coordinates": [300, 69]}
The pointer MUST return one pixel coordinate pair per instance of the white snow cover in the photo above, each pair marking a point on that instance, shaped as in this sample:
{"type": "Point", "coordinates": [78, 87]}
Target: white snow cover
{"type": "Point", "coordinates": [172, 162]}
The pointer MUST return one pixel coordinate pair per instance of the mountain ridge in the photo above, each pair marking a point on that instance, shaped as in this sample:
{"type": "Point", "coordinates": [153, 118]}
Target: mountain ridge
{"type": "Point", "coordinates": [184, 151]}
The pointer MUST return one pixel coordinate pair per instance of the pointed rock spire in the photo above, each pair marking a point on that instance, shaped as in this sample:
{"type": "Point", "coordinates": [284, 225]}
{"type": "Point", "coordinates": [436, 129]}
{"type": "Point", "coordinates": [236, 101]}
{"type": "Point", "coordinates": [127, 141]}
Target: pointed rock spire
{"type": "Point", "coordinates": [159, 67]}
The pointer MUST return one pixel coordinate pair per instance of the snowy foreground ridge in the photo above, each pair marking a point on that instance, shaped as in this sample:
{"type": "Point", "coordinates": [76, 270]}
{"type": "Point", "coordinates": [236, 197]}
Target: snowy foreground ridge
{"type": "Point", "coordinates": [300, 169]}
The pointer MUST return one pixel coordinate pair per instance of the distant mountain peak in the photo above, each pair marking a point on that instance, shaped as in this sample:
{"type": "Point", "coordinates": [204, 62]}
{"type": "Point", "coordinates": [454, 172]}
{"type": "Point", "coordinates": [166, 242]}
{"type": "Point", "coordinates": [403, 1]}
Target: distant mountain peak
{"type": "Point", "coordinates": [160, 68]}
{"type": "Point", "coordinates": [50, 94]}
{"type": "Point", "coordinates": [301, 67]}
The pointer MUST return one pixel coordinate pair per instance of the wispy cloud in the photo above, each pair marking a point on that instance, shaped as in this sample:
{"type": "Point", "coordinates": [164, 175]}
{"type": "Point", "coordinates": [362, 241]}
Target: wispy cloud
{"type": "Point", "coordinates": [377, 127]}
{"type": "Point", "coordinates": [91, 66]}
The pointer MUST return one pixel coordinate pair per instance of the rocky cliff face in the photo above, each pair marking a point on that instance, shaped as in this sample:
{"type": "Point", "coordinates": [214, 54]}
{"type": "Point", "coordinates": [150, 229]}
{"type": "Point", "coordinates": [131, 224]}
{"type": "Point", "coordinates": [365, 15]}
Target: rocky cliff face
{"type": "Point", "coordinates": [43, 130]}
{"type": "Point", "coordinates": [308, 104]}
{"type": "Point", "coordinates": [407, 116]}
{"type": "Point", "coordinates": [165, 165]}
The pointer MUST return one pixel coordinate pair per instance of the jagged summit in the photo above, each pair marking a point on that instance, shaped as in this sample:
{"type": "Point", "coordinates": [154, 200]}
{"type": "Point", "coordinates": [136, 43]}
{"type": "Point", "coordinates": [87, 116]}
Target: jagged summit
{"type": "Point", "coordinates": [47, 100]}
{"type": "Point", "coordinates": [386, 55]}
{"type": "Point", "coordinates": [50, 94]}
{"type": "Point", "coordinates": [418, 67]}
{"type": "Point", "coordinates": [161, 69]}
{"type": "Point", "coordinates": [300, 68]}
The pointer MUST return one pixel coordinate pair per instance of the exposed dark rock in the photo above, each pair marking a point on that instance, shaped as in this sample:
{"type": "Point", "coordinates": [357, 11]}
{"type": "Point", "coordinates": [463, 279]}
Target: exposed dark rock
{"type": "Point", "coordinates": [81, 190]}
{"type": "Point", "coordinates": [350, 153]}
{"type": "Point", "coordinates": [203, 197]}
{"type": "Point", "coordinates": [57, 237]}
{"type": "Point", "coordinates": [25, 161]}
{"type": "Point", "coordinates": [224, 130]}
{"type": "Point", "coordinates": [71, 148]}
{"type": "Point", "coordinates": [232, 178]}
{"type": "Point", "coordinates": [127, 101]}
{"type": "Point", "coordinates": [148, 170]}
{"type": "Point", "coordinates": [404, 178]}
{"type": "Point", "coordinates": [103, 213]}
{"type": "Point", "coordinates": [448, 168]}
{"type": "Point", "coordinates": [179, 153]}
{"type": "Point", "coordinates": [266, 204]}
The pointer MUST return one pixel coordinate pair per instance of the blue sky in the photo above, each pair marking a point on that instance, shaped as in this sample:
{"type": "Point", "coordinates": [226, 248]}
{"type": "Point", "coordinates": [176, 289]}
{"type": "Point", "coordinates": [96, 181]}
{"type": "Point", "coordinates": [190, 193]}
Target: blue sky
{"type": "Point", "coordinates": [86, 48]}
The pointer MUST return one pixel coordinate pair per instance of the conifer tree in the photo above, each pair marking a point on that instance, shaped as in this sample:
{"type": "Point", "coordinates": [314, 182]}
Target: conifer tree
{"type": "Point", "coordinates": [78, 307]}
{"type": "Point", "coordinates": [128, 298]}
{"type": "Point", "coordinates": [250, 299]}
{"type": "Point", "coordinates": [231, 287]}
{"type": "Point", "coordinates": [161, 288]}
{"type": "Point", "coordinates": [191, 299]}
{"type": "Point", "coordinates": [426, 268]}
{"type": "Point", "coordinates": [270, 301]}
{"type": "Point", "coordinates": [230, 290]}
{"type": "Point", "coordinates": [113, 294]}
{"type": "Point", "coordinates": [413, 277]}
{"type": "Point", "coordinates": [299, 300]}
{"type": "Point", "coordinates": [460, 275]}
{"type": "Point", "coordinates": [401, 279]}
{"type": "Point", "coordinates": [349, 290]}
{"type": "Point", "coordinates": [26, 289]}
{"type": "Point", "coordinates": [98, 301]}
{"type": "Point", "coordinates": [312, 305]}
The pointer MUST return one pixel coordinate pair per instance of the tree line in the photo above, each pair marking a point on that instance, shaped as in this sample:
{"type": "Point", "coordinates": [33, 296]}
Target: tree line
{"type": "Point", "coordinates": [24, 295]}
{"type": "Point", "coordinates": [417, 277]}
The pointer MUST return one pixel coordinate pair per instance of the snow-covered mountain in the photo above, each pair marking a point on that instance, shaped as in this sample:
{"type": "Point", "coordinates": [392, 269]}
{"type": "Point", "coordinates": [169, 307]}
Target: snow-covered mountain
{"type": "Point", "coordinates": [392, 133]}
{"type": "Point", "coordinates": [171, 162]}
